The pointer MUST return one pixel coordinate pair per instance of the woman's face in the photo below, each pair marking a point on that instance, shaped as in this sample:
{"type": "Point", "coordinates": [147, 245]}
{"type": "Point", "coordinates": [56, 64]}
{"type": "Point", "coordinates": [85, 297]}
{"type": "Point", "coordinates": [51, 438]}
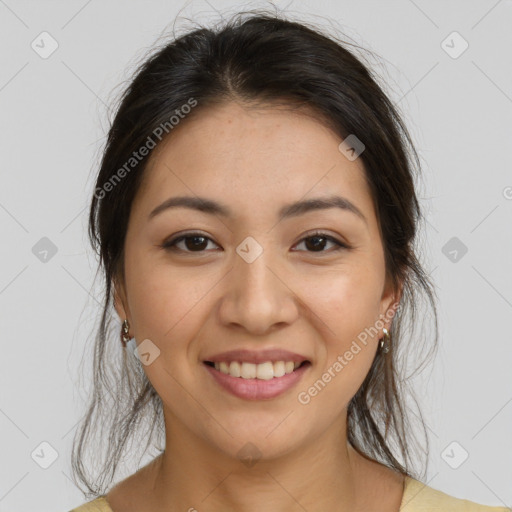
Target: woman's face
{"type": "Point", "coordinates": [255, 279]}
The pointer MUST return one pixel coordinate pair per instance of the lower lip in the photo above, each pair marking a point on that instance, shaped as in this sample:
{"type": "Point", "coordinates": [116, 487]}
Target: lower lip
{"type": "Point", "coordinates": [257, 389]}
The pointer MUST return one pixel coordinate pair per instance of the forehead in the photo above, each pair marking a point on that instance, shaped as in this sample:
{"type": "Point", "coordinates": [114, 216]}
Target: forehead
{"type": "Point", "coordinates": [253, 158]}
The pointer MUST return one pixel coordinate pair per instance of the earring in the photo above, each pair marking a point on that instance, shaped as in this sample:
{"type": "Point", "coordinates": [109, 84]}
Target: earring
{"type": "Point", "coordinates": [125, 338]}
{"type": "Point", "coordinates": [385, 341]}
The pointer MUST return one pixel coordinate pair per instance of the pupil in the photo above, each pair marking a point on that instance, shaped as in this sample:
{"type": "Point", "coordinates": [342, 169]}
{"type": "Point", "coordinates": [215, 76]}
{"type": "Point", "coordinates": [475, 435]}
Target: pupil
{"type": "Point", "coordinates": [194, 245]}
{"type": "Point", "coordinates": [316, 245]}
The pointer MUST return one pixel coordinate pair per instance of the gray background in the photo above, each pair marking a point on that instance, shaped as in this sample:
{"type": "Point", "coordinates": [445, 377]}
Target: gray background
{"type": "Point", "coordinates": [52, 126]}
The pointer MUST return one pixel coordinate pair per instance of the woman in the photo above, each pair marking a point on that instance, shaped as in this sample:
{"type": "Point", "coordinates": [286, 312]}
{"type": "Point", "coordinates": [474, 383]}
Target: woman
{"type": "Point", "coordinates": [255, 215]}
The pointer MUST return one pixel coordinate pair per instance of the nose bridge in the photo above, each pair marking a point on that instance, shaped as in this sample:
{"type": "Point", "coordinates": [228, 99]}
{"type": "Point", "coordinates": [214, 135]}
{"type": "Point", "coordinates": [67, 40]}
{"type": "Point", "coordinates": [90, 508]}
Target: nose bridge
{"type": "Point", "coordinates": [254, 274]}
{"type": "Point", "coordinates": [256, 298]}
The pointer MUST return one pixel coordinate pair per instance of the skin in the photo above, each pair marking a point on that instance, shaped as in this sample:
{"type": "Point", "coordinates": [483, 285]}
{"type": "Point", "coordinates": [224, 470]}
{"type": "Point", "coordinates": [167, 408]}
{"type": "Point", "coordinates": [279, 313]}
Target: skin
{"type": "Point", "coordinates": [209, 300]}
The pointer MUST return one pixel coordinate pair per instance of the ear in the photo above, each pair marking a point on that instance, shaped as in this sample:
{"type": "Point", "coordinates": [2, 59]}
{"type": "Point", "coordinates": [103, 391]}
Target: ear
{"type": "Point", "coordinates": [120, 302]}
{"type": "Point", "coordinates": [390, 302]}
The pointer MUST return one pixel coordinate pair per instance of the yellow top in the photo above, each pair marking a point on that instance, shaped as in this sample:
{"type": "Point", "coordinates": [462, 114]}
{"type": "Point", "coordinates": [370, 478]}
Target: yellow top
{"type": "Point", "coordinates": [417, 497]}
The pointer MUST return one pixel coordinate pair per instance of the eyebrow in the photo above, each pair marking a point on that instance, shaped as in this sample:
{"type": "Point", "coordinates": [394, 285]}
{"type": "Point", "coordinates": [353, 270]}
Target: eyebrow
{"type": "Point", "coordinates": [212, 207]}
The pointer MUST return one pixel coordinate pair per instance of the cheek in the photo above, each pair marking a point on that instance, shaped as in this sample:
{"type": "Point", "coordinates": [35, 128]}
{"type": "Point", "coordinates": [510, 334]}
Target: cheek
{"type": "Point", "coordinates": [347, 299]}
{"type": "Point", "coordinates": [346, 307]}
{"type": "Point", "coordinates": [163, 301]}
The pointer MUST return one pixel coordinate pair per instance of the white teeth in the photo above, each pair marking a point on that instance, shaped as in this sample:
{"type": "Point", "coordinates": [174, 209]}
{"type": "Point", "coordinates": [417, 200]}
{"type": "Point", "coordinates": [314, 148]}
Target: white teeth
{"type": "Point", "coordinates": [234, 369]}
{"type": "Point", "coordinates": [263, 371]}
{"type": "Point", "coordinates": [248, 371]}
{"type": "Point", "coordinates": [279, 367]}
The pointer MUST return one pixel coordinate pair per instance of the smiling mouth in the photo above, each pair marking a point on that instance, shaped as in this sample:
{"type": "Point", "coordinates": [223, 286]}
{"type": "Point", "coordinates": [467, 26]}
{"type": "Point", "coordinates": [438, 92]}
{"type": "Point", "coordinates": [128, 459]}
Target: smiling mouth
{"type": "Point", "coordinates": [263, 371]}
{"type": "Point", "coordinates": [250, 381]}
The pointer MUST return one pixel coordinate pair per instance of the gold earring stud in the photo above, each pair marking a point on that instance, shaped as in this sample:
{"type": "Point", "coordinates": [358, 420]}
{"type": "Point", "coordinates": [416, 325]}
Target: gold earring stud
{"type": "Point", "coordinates": [385, 341]}
{"type": "Point", "coordinates": [125, 338]}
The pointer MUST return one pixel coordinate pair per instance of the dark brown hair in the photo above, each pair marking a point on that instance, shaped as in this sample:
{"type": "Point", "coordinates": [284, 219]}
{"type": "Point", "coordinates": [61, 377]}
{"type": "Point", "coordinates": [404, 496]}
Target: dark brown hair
{"type": "Point", "coordinates": [256, 58]}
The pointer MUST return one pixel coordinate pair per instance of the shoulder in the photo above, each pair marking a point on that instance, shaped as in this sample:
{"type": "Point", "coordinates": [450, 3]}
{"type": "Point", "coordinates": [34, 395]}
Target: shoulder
{"type": "Point", "coordinates": [419, 497]}
{"type": "Point", "coordinates": [99, 504]}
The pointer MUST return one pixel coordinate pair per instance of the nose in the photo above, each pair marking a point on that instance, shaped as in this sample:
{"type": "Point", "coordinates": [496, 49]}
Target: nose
{"type": "Point", "coordinates": [257, 297]}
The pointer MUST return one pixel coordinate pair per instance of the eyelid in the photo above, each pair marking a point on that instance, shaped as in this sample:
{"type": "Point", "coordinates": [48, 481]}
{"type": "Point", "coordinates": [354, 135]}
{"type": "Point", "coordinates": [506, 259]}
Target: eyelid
{"type": "Point", "coordinates": [170, 244]}
{"type": "Point", "coordinates": [324, 234]}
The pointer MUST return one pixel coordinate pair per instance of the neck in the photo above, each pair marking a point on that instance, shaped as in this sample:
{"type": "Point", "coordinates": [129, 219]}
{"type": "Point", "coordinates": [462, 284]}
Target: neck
{"type": "Point", "coordinates": [194, 474]}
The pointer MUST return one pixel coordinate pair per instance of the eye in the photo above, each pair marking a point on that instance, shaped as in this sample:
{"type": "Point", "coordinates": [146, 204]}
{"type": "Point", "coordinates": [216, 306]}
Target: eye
{"type": "Point", "coordinates": [317, 244]}
{"type": "Point", "coordinates": [197, 242]}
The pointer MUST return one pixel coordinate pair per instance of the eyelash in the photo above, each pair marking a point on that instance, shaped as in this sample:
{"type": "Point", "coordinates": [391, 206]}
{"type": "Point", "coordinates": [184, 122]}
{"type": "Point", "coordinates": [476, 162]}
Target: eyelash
{"type": "Point", "coordinates": [170, 245]}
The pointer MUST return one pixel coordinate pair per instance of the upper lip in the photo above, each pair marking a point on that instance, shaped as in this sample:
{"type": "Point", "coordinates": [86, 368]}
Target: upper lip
{"type": "Point", "coordinates": [256, 357]}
